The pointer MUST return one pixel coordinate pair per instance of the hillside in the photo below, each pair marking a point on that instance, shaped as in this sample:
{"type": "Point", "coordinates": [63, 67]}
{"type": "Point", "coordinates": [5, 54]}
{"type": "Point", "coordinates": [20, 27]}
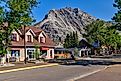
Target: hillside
{"type": "Point", "coordinates": [57, 23]}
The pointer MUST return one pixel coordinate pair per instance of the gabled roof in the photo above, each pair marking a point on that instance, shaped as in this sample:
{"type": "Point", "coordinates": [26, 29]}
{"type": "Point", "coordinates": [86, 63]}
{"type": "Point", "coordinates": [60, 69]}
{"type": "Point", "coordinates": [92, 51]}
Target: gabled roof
{"type": "Point", "coordinates": [49, 43]}
{"type": "Point", "coordinates": [19, 31]}
{"type": "Point", "coordinates": [36, 31]}
{"type": "Point", "coordinates": [31, 32]}
{"type": "Point", "coordinates": [43, 34]}
{"type": "Point", "coordinates": [83, 43]}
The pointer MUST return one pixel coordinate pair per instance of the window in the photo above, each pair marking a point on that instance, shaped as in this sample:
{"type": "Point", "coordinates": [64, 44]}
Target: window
{"type": "Point", "coordinates": [30, 54]}
{"type": "Point", "coordinates": [15, 53]}
{"type": "Point", "coordinates": [42, 40]}
{"type": "Point", "coordinates": [14, 37]}
{"type": "Point", "coordinates": [28, 38]}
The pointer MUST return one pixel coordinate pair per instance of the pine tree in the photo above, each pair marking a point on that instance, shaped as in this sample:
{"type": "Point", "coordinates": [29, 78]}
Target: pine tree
{"type": "Point", "coordinates": [71, 40]}
{"type": "Point", "coordinates": [67, 41]}
{"type": "Point", "coordinates": [76, 40]}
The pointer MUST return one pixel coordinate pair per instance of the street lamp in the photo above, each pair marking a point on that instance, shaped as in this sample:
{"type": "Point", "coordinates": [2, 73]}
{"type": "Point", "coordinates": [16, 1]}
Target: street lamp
{"type": "Point", "coordinates": [24, 45]}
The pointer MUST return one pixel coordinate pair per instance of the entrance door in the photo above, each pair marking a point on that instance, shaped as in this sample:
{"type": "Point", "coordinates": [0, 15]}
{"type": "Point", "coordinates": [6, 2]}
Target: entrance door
{"type": "Point", "coordinates": [15, 53]}
{"type": "Point", "coordinates": [51, 54]}
{"type": "Point", "coordinates": [30, 54]}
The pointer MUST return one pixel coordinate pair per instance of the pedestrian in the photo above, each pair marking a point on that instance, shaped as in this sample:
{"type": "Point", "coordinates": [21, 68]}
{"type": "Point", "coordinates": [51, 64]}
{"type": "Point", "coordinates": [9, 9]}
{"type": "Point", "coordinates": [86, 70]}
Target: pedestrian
{"type": "Point", "coordinates": [7, 57]}
{"type": "Point", "coordinates": [2, 59]}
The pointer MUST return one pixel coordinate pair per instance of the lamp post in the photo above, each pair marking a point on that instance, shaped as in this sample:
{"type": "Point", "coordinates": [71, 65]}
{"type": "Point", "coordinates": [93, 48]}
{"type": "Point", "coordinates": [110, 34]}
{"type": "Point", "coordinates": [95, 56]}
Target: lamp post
{"type": "Point", "coordinates": [24, 45]}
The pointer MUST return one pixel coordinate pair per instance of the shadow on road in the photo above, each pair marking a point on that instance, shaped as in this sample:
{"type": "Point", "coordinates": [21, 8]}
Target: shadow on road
{"type": "Point", "coordinates": [84, 62]}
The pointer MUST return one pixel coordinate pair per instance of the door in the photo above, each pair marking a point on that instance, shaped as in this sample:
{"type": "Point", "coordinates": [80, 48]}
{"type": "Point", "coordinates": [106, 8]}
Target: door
{"type": "Point", "coordinates": [15, 53]}
{"type": "Point", "coordinates": [51, 54]}
{"type": "Point", "coordinates": [30, 54]}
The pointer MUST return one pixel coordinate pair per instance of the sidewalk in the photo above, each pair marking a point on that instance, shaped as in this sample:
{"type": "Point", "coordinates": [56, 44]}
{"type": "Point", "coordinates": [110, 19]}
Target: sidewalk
{"type": "Point", "coordinates": [21, 66]}
{"type": "Point", "coordinates": [112, 73]}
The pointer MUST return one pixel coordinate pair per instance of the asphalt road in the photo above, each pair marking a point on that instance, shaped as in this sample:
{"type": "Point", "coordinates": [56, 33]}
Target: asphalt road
{"type": "Point", "coordinates": [110, 74]}
{"type": "Point", "coordinates": [55, 73]}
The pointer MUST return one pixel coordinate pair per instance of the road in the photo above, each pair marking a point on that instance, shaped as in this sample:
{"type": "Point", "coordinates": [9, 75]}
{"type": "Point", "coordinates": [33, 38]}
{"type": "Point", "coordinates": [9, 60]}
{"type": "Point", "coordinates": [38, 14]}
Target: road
{"type": "Point", "coordinates": [55, 73]}
{"type": "Point", "coordinates": [110, 74]}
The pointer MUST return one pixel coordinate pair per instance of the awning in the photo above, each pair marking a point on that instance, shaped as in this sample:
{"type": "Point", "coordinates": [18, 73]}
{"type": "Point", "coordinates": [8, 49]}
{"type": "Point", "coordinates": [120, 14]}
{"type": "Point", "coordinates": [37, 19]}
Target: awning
{"type": "Point", "coordinates": [44, 48]}
{"type": "Point", "coordinates": [15, 48]}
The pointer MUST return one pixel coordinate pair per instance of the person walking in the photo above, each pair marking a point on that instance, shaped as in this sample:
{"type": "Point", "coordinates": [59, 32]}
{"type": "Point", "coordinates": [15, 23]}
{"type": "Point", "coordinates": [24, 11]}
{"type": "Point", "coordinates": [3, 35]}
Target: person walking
{"type": "Point", "coordinates": [7, 58]}
{"type": "Point", "coordinates": [3, 60]}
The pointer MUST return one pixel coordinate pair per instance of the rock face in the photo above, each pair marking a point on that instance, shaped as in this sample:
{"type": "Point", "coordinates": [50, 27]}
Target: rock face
{"type": "Point", "coordinates": [58, 23]}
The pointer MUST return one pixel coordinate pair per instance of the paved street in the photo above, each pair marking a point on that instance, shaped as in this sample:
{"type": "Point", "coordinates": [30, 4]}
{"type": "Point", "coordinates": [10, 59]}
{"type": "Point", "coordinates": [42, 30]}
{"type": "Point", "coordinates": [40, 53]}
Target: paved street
{"type": "Point", "coordinates": [55, 73]}
{"type": "Point", "coordinates": [110, 74]}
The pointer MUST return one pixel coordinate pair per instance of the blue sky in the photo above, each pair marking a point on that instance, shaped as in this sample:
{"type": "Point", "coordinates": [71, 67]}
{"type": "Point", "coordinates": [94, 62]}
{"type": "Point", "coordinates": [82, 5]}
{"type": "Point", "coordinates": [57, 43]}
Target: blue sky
{"type": "Point", "coordinates": [102, 9]}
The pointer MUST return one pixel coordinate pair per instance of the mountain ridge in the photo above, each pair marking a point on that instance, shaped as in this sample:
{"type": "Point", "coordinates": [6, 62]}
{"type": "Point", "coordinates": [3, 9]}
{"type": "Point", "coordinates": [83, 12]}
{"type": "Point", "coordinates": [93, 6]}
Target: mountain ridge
{"type": "Point", "coordinates": [60, 22]}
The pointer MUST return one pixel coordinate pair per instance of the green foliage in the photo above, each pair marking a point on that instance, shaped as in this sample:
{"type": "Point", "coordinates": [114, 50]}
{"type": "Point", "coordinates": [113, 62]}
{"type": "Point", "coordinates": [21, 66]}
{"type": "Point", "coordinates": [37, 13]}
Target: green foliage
{"type": "Point", "coordinates": [15, 13]}
{"type": "Point", "coordinates": [71, 40]}
{"type": "Point", "coordinates": [94, 30]}
{"type": "Point", "coordinates": [36, 53]}
{"type": "Point", "coordinates": [20, 11]}
{"type": "Point", "coordinates": [103, 32]}
{"type": "Point", "coordinates": [76, 52]}
{"type": "Point", "coordinates": [117, 16]}
{"type": "Point", "coordinates": [117, 19]}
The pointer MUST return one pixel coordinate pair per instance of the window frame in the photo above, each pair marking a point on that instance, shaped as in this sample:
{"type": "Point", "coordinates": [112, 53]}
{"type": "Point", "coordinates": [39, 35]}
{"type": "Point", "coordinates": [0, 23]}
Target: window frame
{"type": "Point", "coordinates": [14, 37]}
{"type": "Point", "coordinates": [29, 38]}
{"type": "Point", "coordinates": [42, 39]}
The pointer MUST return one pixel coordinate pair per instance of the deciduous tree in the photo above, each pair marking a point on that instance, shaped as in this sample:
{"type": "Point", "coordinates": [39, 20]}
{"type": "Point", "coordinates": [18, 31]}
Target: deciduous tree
{"type": "Point", "coordinates": [117, 17]}
{"type": "Point", "coordinates": [104, 33]}
{"type": "Point", "coordinates": [14, 13]}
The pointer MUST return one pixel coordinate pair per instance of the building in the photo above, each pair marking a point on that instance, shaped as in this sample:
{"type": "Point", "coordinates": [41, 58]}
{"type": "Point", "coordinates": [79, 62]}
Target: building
{"type": "Point", "coordinates": [33, 37]}
{"type": "Point", "coordinates": [84, 48]}
{"type": "Point", "coordinates": [62, 53]}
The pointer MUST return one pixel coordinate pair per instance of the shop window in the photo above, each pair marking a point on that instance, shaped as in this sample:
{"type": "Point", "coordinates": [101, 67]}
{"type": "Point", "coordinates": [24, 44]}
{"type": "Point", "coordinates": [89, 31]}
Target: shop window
{"type": "Point", "coordinates": [15, 53]}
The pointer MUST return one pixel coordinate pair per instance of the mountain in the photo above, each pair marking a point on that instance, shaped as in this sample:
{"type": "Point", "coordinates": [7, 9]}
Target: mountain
{"type": "Point", "coordinates": [58, 23]}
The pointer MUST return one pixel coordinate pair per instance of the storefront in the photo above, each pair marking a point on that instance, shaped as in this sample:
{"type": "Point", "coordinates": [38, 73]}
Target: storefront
{"type": "Point", "coordinates": [30, 53]}
{"type": "Point", "coordinates": [47, 52]}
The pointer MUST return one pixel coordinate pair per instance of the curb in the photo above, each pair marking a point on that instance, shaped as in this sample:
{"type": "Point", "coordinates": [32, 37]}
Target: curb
{"type": "Point", "coordinates": [88, 74]}
{"type": "Point", "coordinates": [27, 68]}
{"type": "Point", "coordinates": [115, 65]}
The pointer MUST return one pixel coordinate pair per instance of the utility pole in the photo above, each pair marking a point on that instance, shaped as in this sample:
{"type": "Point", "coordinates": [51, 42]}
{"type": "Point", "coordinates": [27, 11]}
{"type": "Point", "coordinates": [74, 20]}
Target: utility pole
{"type": "Point", "coordinates": [24, 45]}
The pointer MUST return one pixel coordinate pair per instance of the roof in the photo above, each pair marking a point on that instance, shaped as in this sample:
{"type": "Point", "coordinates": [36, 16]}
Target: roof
{"type": "Point", "coordinates": [37, 31]}
{"type": "Point", "coordinates": [84, 43]}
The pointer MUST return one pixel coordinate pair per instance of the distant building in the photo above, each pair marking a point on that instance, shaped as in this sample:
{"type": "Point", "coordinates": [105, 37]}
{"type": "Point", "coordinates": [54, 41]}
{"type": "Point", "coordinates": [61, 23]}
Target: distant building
{"type": "Point", "coordinates": [62, 53]}
{"type": "Point", "coordinates": [84, 48]}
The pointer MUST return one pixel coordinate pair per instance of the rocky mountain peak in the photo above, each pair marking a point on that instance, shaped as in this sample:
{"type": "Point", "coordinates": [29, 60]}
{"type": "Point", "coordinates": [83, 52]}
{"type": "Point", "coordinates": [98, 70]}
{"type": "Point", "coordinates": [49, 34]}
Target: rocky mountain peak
{"type": "Point", "coordinates": [58, 23]}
